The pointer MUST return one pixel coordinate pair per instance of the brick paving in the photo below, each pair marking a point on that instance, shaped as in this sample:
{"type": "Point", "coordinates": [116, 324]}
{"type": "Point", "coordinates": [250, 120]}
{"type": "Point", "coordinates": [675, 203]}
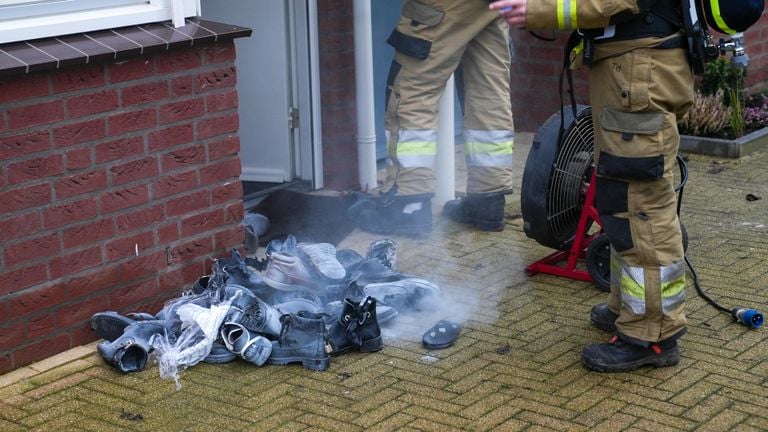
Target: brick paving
{"type": "Point", "coordinates": [515, 366]}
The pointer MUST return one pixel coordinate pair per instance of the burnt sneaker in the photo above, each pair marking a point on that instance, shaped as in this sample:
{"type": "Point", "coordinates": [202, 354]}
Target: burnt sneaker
{"type": "Point", "coordinates": [603, 318]}
{"type": "Point", "coordinates": [619, 356]}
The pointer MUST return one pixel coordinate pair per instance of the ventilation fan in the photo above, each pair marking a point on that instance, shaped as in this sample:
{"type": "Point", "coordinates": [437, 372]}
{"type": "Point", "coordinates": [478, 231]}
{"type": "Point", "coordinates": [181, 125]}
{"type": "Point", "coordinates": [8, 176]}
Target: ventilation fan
{"type": "Point", "coordinates": [557, 199]}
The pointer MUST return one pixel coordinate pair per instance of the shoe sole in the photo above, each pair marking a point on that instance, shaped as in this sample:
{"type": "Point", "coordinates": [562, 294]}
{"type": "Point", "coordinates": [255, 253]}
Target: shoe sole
{"type": "Point", "coordinates": [661, 361]}
{"type": "Point", "coordinates": [316, 364]}
{"type": "Point", "coordinates": [368, 346]}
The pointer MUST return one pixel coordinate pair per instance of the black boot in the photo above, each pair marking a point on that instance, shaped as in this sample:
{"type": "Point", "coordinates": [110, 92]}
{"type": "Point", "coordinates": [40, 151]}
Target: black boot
{"type": "Point", "coordinates": [303, 339]}
{"type": "Point", "coordinates": [391, 214]}
{"type": "Point", "coordinates": [356, 326]}
{"type": "Point", "coordinates": [619, 356]}
{"type": "Point", "coordinates": [603, 318]}
{"type": "Point", "coordinates": [484, 211]}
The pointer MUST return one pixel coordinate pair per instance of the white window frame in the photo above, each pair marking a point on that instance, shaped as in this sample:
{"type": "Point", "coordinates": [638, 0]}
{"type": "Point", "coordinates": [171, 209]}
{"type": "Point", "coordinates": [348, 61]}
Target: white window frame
{"type": "Point", "coordinates": [63, 23]}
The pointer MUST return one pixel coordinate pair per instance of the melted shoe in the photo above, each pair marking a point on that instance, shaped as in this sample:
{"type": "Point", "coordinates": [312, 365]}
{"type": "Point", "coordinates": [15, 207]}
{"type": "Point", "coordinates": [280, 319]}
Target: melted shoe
{"type": "Point", "coordinates": [619, 356]}
{"type": "Point", "coordinates": [409, 215]}
{"type": "Point", "coordinates": [603, 318]}
{"type": "Point", "coordinates": [129, 352]}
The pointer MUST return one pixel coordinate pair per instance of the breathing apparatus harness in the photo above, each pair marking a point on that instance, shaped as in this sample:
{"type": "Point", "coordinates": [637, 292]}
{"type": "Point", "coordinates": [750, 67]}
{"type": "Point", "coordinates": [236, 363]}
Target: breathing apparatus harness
{"type": "Point", "coordinates": [663, 19]}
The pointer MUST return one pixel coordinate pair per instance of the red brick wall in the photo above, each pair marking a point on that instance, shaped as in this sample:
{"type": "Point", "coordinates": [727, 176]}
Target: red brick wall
{"type": "Point", "coordinates": [756, 45]}
{"type": "Point", "coordinates": [97, 163]}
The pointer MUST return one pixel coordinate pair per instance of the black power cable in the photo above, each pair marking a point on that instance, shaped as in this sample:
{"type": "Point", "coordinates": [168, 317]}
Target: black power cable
{"type": "Point", "coordinates": [748, 317]}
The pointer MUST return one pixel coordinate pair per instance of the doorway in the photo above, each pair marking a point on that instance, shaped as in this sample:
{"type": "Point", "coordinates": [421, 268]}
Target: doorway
{"type": "Point", "coordinates": [273, 90]}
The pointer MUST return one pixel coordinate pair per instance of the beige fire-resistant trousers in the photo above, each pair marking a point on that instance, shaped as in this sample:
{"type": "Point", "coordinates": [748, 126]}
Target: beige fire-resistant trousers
{"type": "Point", "coordinates": [636, 99]}
{"type": "Point", "coordinates": [434, 39]}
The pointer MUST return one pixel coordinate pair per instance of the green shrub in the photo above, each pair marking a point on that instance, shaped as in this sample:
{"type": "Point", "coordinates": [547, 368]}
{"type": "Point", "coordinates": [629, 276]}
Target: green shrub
{"type": "Point", "coordinates": [718, 109]}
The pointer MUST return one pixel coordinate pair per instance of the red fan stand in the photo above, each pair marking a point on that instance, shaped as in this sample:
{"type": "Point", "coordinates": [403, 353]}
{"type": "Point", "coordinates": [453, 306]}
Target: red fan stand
{"type": "Point", "coordinates": [553, 263]}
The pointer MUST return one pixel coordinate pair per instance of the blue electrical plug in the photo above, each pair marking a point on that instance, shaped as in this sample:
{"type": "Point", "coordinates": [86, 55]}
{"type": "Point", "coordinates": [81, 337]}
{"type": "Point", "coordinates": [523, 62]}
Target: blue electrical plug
{"type": "Point", "coordinates": [748, 317]}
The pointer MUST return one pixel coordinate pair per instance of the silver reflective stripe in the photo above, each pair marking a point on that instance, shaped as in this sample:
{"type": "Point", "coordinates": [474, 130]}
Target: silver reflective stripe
{"type": "Point", "coordinates": [672, 272]}
{"type": "Point", "coordinates": [669, 304]}
{"type": "Point", "coordinates": [417, 148]}
{"type": "Point", "coordinates": [672, 286]}
{"type": "Point", "coordinates": [632, 284]}
{"type": "Point", "coordinates": [489, 148]}
{"type": "Point", "coordinates": [567, 4]}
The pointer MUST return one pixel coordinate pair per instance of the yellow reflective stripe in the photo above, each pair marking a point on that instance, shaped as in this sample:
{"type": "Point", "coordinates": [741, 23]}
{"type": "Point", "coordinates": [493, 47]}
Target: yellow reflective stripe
{"type": "Point", "coordinates": [673, 288]}
{"type": "Point", "coordinates": [574, 15]}
{"type": "Point", "coordinates": [491, 148]}
{"type": "Point", "coordinates": [631, 287]}
{"type": "Point", "coordinates": [561, 14]}
{"type": "Point", "coordinates": [567, 16]}
{"type": "Point", "coordinates": [715, 5]}
{"type": "Point", "coordinates": [416, 148]}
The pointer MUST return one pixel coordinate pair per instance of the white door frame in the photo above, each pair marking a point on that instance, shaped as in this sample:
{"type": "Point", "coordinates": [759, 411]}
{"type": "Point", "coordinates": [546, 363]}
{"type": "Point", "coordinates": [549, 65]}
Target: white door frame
{"type": "Point", "coordinates": [305, 53]}
{"type": "Point", "coordinates": [299, 92]}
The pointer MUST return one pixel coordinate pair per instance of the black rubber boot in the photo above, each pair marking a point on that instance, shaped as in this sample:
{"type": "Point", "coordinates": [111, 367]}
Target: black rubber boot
{"type": "Point", "coordinates": [356, 327]}
{"type": "Point", "coordinates": [619, 356]}
{"type": "Point", "coordinates": [484, 211]}
{"type": "Point", "coordinates": [409, 215]}
{"type": "Point", "coordinates": [303, 339]}
{"type": "Point", "coordinates": [603, 318]}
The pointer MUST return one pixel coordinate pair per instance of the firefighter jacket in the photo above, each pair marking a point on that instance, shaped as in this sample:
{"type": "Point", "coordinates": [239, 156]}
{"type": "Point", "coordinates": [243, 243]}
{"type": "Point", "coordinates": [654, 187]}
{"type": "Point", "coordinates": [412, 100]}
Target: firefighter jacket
{"type": "Point", "coordinates": [616, 26]}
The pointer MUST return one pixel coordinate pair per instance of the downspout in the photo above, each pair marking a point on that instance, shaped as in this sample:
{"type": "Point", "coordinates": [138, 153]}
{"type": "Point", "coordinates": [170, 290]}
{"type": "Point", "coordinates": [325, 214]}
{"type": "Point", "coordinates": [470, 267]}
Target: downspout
{"type": "Point", "coordinates": [366, 126]}
{"type": "Point", "coordinates": [314, 73]}
{"type": "Point", "coordinates": [446, 166]}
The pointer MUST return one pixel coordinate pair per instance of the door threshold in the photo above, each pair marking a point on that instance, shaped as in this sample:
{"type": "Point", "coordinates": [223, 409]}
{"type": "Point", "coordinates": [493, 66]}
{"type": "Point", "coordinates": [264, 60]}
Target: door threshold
{"type": "Point", "coordinates": [259, 190]}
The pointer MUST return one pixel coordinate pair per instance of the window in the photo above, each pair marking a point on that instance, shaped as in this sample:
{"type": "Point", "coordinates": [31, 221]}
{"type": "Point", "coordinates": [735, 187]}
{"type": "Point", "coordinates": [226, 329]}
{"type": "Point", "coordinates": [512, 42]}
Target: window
{"type": "Point", "coordinates": [31, 19]}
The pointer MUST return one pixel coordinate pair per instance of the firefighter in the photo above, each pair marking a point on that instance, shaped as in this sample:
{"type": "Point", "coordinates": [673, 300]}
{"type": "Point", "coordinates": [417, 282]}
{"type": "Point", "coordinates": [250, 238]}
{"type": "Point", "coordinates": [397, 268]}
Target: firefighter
{"type": "Point", "coordinates": [640, 84]}
{"type": "Point", "coordinates": [434, 39]}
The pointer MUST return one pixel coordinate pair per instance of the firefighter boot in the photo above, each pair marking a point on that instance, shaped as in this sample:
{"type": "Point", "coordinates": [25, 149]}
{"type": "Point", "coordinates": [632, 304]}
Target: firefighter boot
{"type": "Point", "coordinates": [356, 326]}
{"type": "Point", "coordinates": [409, 215]}
{"type": "Point", "coordinates": [618, 355]}
{"type": "Point", "coordinates": [603, 318]}
{"type": "Point", "coordinates": [484, 211]}
{"type": "Point", "coordinates": [303, 339]}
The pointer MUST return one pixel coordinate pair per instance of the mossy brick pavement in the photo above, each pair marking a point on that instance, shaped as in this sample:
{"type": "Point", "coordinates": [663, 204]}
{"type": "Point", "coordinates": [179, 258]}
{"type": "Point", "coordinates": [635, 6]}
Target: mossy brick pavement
{"type": "Point", "coordinates": [515, 366]}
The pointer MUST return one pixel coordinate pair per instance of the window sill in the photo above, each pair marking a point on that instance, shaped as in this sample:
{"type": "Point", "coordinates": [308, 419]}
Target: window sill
{"type": "Point", "coordinates": [110, 45]}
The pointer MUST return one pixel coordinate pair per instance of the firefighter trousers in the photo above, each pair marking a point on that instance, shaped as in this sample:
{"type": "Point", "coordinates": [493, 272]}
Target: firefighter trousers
{"type": "Point", "coordinates": [434, 39]}
{"type": "Point", "coordinates": [636, 99]}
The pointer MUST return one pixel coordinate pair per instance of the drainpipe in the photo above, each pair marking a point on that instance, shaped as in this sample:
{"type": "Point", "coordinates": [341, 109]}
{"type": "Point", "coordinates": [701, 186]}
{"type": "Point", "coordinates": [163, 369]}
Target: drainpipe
{"type": "Point", "coordinates": [446, 178]}
{"type": "Point", "coordinates": [366, 126]}
{"type": "Point", "coordinates": [317, 109]}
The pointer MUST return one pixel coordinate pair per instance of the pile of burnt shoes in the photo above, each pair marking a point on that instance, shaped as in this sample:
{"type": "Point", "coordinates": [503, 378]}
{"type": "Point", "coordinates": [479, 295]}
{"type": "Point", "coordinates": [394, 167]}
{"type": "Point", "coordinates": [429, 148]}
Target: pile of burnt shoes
{"type": "Point", "coordinates": [304, 302]}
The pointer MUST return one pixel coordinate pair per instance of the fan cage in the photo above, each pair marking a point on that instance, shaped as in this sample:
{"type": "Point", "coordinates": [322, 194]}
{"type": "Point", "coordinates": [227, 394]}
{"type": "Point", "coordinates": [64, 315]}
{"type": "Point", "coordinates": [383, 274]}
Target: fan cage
{"type": "Point", "coordinates": [571, 175]}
